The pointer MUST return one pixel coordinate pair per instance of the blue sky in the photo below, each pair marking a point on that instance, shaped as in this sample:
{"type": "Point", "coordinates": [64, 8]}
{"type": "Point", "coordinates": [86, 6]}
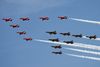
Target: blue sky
{"type": "Point", "coordinates": [15, 52]}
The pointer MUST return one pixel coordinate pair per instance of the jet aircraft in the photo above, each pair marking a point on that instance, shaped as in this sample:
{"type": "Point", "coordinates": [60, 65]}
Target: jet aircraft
{"type": "Point", "coordinates": [92, 37]}
{"type": "Point", "coordinates": [27, 39]}
{"type": "Point", "coordinates": [66, 34]}
{"type": "Point", "coordinates": [80, 35]}
{"type": "Point", "coordinates": [14, 26]}
{"type": "Point", "coordinates": [68, 42]}
{"type": "Point", "coordinates": [54, 40]}
{"type": "Point", "coordinates": [24, 19]}
{"type": "Point", "coordinates": [62, 17]}
{"type": "Point", "coordinates": [7, 19]}
{"type": "Point", "coordinates": [57, 46]}
{"type": "Point", "coordinates": [21, 33]}
{"type": "Point", "coordinates": [44, 18]}
{"type": "Point", "coordinates": [52, 32]}
{"type": "Point", "coordinates": [59, 52]}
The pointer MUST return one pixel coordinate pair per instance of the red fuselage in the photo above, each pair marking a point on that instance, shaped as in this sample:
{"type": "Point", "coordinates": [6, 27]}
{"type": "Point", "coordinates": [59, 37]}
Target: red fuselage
{"type": "Point", "coordinates": [14, 26]}
{"type": "Point", "coordinates": [62, 17]}
{"type": "Point", "coordinates": [7, 19]}
{"type": "Point", "coordinates": [28, 39]}
{"type": "Point", "coordinates": [25, 19]}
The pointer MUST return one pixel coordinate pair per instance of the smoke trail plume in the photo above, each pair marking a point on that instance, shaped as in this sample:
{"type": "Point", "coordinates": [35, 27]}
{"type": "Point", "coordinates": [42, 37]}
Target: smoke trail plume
{"type": "Point", "coordinates": [85, 57]}
{"type": "Point", "coordinates": [88, 21]}
{"type": "Point", "coordinates": [81, 45]}
{"type": "Point", "coordinates": [84, 51]}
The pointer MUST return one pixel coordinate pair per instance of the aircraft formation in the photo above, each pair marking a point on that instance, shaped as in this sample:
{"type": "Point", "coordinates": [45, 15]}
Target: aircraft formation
{"type": "Point", "coordinates": [46, 18]}
{"type": "Point", "coordinates": [69, 34]}
{"type": "Point", "coordinates": [43, 18]}
{"type": "Point", "coordinates": [18, 26]}
{"type": "Point", "coordinates": [67, 42]}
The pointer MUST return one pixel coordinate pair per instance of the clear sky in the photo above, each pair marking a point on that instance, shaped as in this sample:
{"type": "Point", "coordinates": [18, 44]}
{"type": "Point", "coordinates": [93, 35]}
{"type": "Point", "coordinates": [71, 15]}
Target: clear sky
{"type": "Point", "coordinates": [15, 52]}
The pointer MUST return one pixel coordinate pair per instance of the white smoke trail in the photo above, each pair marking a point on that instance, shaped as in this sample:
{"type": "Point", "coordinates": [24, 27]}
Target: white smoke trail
{"type": "Point", "coordinates": [88, 21]}
{"type": "Point", "coordinates": [82, 56]}
{"type": "Point", "coordinates": [97, 38]}
{"type": "Point", "coordinates": [84, 51]}
{"type": "Point", "coordinates": [74, 45]}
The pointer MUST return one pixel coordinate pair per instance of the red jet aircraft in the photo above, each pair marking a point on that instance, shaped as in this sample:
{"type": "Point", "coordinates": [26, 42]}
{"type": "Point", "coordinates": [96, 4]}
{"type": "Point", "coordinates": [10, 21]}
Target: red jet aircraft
{"type": "Point", "coordinates": [62, 17]}
{"type": "Point", "coordinates": [21, 33]}
{"type": "Point", "coordinates": [24, 19]}
{"type": "Point", "coordinates": [14, 25]}
{"type": "Point", "coordinates": [7, 19]}
{"type": "Point", "coordinates": [27, 39]}
{"type": "Point", "coordinates": [44, 18]}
